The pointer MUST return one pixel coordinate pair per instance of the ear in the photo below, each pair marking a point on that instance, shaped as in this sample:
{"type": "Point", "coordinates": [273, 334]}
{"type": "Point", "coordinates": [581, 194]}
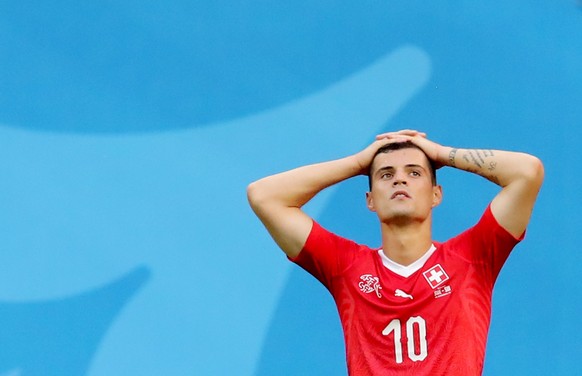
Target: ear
{"type": "Point", "coordinates": [370, 202]}
{"type": "Point", "coordinates": [437, 195]}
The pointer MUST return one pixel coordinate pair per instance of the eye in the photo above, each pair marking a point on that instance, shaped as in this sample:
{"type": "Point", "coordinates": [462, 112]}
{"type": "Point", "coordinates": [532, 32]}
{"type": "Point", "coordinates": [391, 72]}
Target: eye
{"type": "Point", "coordinates": [415, 173]}
{"type": "Point", "coordinates": [386, 175]}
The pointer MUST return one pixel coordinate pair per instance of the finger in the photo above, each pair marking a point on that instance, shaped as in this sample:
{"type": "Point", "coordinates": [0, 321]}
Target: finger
{"type": "Point", "coordinates": [404, 132]}
{"type": "Point", "coordinates": [411, 132]}
{"type": "Point", "coordinates": [393, 139]}
{"type": "Point", "coordinates": [389, 135]}
{"type": "Point", "coordinates": [392, 135]}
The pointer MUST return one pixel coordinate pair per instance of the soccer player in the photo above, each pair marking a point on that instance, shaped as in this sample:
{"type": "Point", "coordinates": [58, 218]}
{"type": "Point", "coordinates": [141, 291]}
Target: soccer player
{"type": "Point", "coordinates": [414, 306]}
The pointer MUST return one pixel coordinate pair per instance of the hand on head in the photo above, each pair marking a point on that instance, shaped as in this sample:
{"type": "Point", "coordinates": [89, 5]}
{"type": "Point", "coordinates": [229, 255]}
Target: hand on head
{"type": "Point", "coordinates": [430, 148]}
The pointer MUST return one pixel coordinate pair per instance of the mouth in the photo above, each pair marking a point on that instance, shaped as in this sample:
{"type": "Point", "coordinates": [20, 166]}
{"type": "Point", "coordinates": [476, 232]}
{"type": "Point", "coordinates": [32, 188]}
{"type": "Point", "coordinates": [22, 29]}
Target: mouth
{"type": "Point", "coordinates": [400, 194]}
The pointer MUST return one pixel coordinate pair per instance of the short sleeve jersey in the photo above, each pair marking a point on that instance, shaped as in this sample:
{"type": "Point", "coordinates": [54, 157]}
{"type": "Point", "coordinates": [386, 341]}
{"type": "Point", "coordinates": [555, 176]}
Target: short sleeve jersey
{"type": "Point", "coordinates": [431, 318]}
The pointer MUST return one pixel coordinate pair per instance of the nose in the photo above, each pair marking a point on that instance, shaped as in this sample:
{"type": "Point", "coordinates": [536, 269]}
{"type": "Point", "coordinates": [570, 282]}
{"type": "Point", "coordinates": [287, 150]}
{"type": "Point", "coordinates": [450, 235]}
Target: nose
{"type": "Point", "coordinates": [399, 179]}
{"type": "Point", "coordinates": [399, 182]}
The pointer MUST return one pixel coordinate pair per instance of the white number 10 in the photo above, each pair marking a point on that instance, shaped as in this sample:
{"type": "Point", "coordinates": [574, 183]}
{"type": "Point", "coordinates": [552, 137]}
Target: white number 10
{"type": "Point", "coordinates": [415, 321]}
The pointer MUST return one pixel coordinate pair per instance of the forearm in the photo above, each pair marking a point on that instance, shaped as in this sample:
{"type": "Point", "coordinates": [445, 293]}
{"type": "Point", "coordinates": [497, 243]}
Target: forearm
{"type": "Point", "coordinates": [499, 167]}
{"type": "Point", "coordinates": [294, 188]}
{"type": "Point", "coordinates": [277, 200]}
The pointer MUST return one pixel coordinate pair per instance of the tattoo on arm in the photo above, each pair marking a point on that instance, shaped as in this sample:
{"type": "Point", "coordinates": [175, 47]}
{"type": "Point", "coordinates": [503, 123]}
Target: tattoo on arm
{"type": "Point", "coordinates": [474, 157]}
{"type": "Point", "coordinates": [493, 177]}
{"type": "Point", "coordinates": [452, 155]}
{"type": "Point", "coordinates": [478, 153]}
{"type": "Point", "coordinates": [492, 166]}
{"type": "Point", "coordinates": [477, 157]}
{"type": "Point", "coordinates": [478, 163]}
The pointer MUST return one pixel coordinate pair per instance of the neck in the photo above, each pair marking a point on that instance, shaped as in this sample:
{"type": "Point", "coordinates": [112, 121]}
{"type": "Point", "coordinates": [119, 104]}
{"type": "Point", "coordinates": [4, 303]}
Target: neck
{"type": "Point", "coordinates": [406, 243]}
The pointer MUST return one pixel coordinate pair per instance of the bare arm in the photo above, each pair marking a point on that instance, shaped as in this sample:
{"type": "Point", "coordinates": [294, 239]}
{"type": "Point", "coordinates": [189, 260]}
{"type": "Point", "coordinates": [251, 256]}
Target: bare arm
{"type": "Point", "coordinates": [277, 200]}
{"type": "Point", "coordinates": [520, 176]}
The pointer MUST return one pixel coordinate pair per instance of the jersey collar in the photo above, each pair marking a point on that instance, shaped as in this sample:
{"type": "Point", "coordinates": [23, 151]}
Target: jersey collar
{"type": "Point", "coordinates": [406, 271]}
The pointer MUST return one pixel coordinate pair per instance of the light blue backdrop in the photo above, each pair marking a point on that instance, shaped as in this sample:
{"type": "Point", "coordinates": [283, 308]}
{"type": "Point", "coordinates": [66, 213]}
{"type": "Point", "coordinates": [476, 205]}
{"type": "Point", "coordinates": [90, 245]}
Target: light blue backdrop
{"type": "Point", "coordinates": [129, 132]}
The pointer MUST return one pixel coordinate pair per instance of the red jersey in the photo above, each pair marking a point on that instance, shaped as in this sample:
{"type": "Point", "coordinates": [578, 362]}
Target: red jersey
{"type": "Point", "coordinates": [428, 318]}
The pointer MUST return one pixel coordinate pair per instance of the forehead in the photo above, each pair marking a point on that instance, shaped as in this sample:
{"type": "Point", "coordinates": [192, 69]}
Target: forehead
{"type": "Point", "coordinates": [400, 158]}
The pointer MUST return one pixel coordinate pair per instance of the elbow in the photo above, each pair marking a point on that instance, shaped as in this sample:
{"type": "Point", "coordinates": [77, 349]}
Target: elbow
{"type": "Point", "coordinates": [534, 172]}
{"type": "Point", "coordinates": [254, 195]}
{"type": "Point", "coordinates": [261, 197]}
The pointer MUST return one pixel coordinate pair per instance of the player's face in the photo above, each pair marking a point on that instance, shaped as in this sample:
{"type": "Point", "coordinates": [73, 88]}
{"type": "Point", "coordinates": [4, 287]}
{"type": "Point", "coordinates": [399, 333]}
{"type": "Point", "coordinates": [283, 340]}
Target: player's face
{"type": "Point", "coordinates": [402, 189]}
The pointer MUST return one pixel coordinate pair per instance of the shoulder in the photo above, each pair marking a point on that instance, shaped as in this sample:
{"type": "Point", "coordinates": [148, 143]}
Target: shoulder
{"type": "Point", "coordinates": [486, 228]}
{"type": "Point", "coordinates": [320, 236]}
{"type": "Point", "coordinates": [326, 254]}
{"type": "Point", "coordinates": [485, 243]}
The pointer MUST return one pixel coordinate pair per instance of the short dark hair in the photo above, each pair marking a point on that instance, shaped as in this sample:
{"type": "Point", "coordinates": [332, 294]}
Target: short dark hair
{"type": "Point", "coordinates": [399, 146]}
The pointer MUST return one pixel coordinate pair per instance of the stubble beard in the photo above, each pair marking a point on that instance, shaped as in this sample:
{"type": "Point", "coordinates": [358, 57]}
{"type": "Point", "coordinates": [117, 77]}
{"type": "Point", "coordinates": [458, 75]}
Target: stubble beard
{"type": "Point", "coordinates": [400, 217]}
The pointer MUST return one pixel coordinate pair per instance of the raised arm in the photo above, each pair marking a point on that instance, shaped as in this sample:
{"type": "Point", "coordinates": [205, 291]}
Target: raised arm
{"type": "Point", "coordinates": [277, 200]}
{"type": "Point", "coordinates": [520, 176]}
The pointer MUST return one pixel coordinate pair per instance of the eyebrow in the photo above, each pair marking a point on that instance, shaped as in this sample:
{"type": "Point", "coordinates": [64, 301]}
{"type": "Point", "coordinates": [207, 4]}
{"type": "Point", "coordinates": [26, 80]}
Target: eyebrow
{"type": "Point", "coordinates": [388, 168]}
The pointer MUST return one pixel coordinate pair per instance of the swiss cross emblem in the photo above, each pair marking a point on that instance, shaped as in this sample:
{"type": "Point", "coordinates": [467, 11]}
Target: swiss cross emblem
{"type": "Point", "coordinates": [436, 276]}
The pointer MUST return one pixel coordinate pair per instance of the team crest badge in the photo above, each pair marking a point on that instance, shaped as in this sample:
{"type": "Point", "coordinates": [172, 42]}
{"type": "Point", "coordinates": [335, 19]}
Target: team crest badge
{"type": "Point", "coordinates": [370, 284]}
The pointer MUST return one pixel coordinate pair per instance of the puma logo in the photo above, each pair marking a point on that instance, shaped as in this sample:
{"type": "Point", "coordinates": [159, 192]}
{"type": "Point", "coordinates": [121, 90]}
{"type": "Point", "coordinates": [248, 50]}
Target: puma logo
{"type": "Point", "coordinates": [402, 294]}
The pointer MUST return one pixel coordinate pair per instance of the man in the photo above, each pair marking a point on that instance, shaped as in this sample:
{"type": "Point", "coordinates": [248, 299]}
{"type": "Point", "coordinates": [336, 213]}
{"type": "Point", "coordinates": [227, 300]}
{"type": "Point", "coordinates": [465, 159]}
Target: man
{"type": "Point", "coordinates": [414, 306]}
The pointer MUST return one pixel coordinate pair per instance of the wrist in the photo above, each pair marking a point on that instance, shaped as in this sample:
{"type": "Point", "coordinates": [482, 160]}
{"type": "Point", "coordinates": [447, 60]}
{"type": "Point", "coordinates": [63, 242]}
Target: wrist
{"type": "Point", "coordinates": [450, 156]}
{"type": "Point", "coordinates": [357, 164]}
{"type": "Point", "coordinates": [445, 156]}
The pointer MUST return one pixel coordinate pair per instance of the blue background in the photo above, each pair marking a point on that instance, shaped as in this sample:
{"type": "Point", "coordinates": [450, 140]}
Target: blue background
{"type": "Point", "coordinates": [129, 132]}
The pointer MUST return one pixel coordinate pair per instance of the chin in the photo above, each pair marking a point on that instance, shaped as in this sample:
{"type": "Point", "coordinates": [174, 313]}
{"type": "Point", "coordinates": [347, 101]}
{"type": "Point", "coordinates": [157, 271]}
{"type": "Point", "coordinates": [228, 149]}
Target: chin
{"type": "Point", "coordinates": [399, 217]}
